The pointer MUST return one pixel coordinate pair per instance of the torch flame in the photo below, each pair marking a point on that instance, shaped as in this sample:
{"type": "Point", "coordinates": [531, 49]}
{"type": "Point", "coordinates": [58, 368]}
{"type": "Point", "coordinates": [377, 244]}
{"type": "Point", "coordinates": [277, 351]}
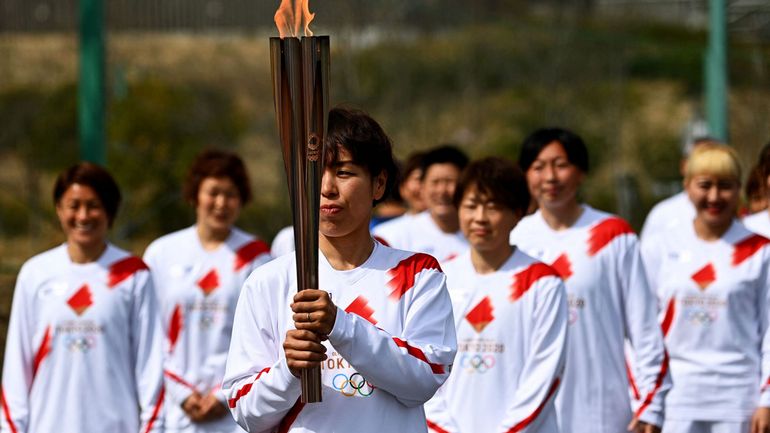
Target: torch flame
{"type": "Point", "coordinates": [290, 18]}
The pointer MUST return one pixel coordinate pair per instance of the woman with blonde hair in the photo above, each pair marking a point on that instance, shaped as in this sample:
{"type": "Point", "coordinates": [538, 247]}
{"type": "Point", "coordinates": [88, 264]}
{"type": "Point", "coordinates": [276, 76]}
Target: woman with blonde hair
{"type": "Point", "coordinates": [711, 278]}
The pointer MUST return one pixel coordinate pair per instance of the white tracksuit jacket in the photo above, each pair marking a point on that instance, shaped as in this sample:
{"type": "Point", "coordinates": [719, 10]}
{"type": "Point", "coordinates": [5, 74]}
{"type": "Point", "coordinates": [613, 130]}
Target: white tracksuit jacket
{"type": "Point", "coordinates": [758, 223]}
{"type": "Point", "coordinates": [674, 211]}
{"type": "Point", "coordinates": [716, 297]}
{"type": "Point", "coordinates": [391, 347]}
{"type": "Point", "coordinates": [511, 341]}
{"type": "Point", "coordinates": [84, 347]}
{"type": "Point", "coordinates": [198, 291]}
{"type": "Point", "coordinates": [609, 300]}
{"type": "Point", "coordinates": [419, 233]}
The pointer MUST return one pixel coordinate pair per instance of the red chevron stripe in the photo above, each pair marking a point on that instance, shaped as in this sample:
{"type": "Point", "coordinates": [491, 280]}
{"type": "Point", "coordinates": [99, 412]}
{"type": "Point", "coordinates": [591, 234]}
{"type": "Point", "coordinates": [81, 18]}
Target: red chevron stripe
{"type": "Point", "coordinates": [245, 389]}
{"type": "Point", "coordinates": [658, 384]}
{"type": "Point", "coordinates": [528, 420]}
{"type": "Point", "coordinates": [122, 269]}
{"type": "Point", "coordinates": [668, 318]}
{"type": "Point", "coordinates": [604, 232]}
{"type": "Point", "coordinates": [249, 252]}
{"type": "Point", "coordinates": [632, 382]}
{"type": "Point", "coordinates": [155, 412]}
{"type": "Point", "coordinates": [435, 427]}
{"type": "Point", "coordinates": [43, 350]}
{"type": "Point", "coordinates": [175, 327]}
{"type": "Point", "coordinates": [747, 247]}
{"type": "Point", "coordinates": [417, 353]}
{"type": "Point", "coordinates": [406, 270]}
{"type": "Point", "coordinates": [290, 417]}
{"type": "Point", "coordinates": [7, 413]}
{"type": "Point", "coordinates": [524, 279]}
{"type": "Point", "coordinates": [178, 379]}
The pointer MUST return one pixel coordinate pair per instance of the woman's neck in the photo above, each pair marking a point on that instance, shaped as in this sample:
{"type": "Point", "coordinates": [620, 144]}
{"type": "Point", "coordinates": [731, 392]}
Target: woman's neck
{"type": "Point", "coordinates": [85, 254]}
{"type": "Point", "coordinates": [446, 223]}
{"type": "Point", "coordinates": [710, 233]}
{"type": "Point", "coordinates": [486, 262]}
{"type": "Point", "coordinates": [211, 239]}
{"type": "Point", "coordinates": [346, 252]}
{"type": "Point", "coordinates": [563, 217]}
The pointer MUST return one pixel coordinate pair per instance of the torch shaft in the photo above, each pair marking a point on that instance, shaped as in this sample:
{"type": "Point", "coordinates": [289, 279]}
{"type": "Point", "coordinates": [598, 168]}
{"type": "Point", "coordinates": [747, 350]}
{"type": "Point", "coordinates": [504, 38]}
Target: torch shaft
{"type": "Point", "coordinates": [300, 90]}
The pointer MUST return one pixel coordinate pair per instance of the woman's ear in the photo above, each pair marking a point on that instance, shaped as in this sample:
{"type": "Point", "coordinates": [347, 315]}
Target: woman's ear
{"type": "Point", "coordinates": [378, 185]}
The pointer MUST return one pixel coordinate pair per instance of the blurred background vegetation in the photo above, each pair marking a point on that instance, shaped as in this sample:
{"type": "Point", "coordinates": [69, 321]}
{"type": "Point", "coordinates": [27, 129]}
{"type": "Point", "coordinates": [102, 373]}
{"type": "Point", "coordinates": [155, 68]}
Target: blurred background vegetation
{"type": "Point", "coordinates": [185, 75]}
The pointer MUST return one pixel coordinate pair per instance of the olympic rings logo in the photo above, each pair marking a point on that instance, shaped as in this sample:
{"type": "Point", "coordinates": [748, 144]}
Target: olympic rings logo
{"type": "Point", "coordinates": [352, 385]}
{"type": "Point", "coordinates": [80, 344]}
{"type": "Point", "coordinates": [701, 317]}
{"type": "Point", "coordinates": [477, 363]}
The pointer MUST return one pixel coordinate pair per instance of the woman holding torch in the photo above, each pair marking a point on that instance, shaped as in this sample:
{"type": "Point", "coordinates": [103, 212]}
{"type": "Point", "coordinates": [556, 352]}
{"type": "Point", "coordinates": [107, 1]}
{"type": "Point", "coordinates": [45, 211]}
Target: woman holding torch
{"type": "Point", "coordinates": [381, 330]}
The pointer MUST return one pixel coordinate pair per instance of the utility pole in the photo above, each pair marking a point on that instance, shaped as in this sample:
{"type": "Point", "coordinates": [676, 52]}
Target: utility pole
{"type": "Point", "coordinates": [91, 82]}
{"type": "Point", "coordinates": [715, 70]}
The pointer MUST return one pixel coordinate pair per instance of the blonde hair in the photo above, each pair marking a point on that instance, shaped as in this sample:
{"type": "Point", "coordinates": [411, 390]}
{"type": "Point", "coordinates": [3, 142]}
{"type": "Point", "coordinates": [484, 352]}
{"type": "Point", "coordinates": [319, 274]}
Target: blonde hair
{"type": "Point", "coordinates": [714, 159]}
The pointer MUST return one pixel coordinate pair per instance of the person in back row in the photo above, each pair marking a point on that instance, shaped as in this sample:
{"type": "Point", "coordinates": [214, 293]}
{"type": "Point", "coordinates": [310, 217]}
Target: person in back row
{"type": "Point", "coordinates": [759, 221]}
{"type": "Point", "coordinates": [597, 255]}
{"type": "Point", "coordinates": [713, 277]}
{"type": "Point", "coordinates": [437, 230]}
{"type": "Point", "coordinates": [410, 191]}
{"type": "Point", "coordinates": [84, 351]}
{"type": "Point", "coordinates": [198, 272]}
{"type": "Point", "coordinates": [677, 209]}
{"type": "Point", "coordinates": [510, 312]}
{"type": "Point", "coordinates": [381, 329]}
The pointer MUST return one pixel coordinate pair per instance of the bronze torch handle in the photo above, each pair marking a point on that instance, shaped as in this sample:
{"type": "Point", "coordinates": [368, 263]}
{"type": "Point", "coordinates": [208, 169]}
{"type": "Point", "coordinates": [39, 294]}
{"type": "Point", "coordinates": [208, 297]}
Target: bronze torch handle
{"type": "Point", "coordinates": [300, 71]}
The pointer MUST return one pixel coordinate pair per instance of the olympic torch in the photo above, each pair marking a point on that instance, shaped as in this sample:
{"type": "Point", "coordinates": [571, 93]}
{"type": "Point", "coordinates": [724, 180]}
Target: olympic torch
{"type": "Point", "coordinates": [300, 73]}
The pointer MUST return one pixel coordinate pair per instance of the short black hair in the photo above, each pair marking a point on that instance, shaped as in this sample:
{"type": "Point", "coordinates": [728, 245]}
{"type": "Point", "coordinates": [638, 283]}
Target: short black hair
{"type": "Point", "coordinates": [94, 177]}
{"type": "Point", "coordinates": [756, 183]}
{"type": "Point", "coordinates": [366, 142]}
{"type": "Point", "coordinates": [575, 148]}
{"type": "Point", "coordinates": [763, 162]}
{"type": "Point", "coordinates": [499, 179]}
{"type": "Point", "coordinates": [413, 162]}
{"type": "Point", "coordinates": [444, 154]}
{"type": "Point", "coordinates": [218, 164]}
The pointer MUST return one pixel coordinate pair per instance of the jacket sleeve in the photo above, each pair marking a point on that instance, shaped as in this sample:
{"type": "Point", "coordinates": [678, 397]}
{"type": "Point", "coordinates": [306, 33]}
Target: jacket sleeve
{"type": "Point", "coordinates": [176, 387]}
{"type": "Point", "coordinates": [18, 364]}
{"type": "Point", "coordinates": [651, 257]}
{"type": "Point", "coordinates": [543, 368]}
{"type": "Point", "coordinates": [410, 366]}
{"type": "Point", "coordinates": [259, 387]}
{"type": "Point", "coordinates": [640, 306]}
{"type": "Point", "coordinates": [147, 346]}
{"type": "Point", "coordinates": [764, 330]}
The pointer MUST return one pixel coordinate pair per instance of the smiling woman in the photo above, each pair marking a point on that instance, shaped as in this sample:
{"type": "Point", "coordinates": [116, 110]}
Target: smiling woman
{"type": "Point", "coordinates": [597, 255]}
{"type": "Point", "coordinates": [712, 276]}
{"type": "Point", "coordinates": [87, 199]}
{"type": "Point", "coordinates": [84, 323]}
{"type": "Point", "coordinates": [526, 326]}
{"type": "Point", "coordinates": [198, 272]}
